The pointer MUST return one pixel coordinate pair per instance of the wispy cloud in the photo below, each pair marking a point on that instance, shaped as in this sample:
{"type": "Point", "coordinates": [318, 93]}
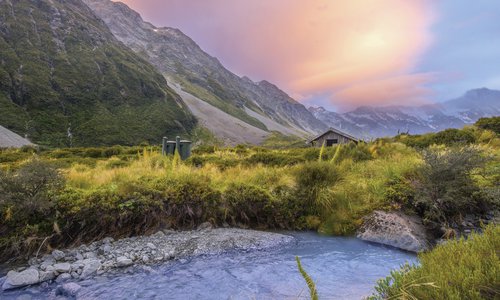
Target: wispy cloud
{"type": "Point", "coordinates": [357, 51]}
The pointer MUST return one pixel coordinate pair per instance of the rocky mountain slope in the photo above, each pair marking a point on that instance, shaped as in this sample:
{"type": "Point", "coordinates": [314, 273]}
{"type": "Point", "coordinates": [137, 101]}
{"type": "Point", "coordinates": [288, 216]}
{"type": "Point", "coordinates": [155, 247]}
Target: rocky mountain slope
{"type": "Point", "coordinates": [370, 122]}
{"type": "Point", "coordinates": [183, 62]}
{"type": "Point", "coordinates": [65, 79]}
{"type": "Point", "coordinates": [9, 139]}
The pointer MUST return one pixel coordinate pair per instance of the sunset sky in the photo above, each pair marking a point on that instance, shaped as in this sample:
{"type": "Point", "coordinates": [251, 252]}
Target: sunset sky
{"type": "Point", "coordinates": [342, 54]}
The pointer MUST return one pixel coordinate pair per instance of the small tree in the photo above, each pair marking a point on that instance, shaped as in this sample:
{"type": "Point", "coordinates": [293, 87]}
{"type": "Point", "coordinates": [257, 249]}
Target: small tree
{"type": "Point", "coordinates": [447, 188]}
{"type": "Point", "coordinates": [492, 124]}
{"type": "Point", "coordinates": [26, 194]}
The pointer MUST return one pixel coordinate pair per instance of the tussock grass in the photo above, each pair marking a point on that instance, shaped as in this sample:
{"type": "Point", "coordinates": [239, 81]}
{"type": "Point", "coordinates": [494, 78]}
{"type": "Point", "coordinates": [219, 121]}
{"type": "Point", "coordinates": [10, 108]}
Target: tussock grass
{"type": "Point", "coordinates": [459, 269]}
{"type": "Point", "coordinates": [123, 191]}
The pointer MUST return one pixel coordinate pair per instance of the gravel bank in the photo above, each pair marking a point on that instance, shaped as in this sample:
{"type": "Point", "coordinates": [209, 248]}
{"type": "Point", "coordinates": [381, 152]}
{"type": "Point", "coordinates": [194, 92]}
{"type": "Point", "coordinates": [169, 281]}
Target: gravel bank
{"type": "Point", "coordinates": [108, 255]}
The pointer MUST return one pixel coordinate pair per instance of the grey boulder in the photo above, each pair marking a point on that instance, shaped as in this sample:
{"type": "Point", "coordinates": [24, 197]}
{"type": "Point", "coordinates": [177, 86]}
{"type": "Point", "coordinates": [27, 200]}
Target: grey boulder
{"type": "Point", "coordinates": [395, 229]}
{"type": "Point", "coordinates": [19, 279]}
{"type": "Point", "coordinates": [62, 267]}
{"type": "Point", "coordinates": [90, 266]}
{"type": "Point", "coordinates": [123, 261]}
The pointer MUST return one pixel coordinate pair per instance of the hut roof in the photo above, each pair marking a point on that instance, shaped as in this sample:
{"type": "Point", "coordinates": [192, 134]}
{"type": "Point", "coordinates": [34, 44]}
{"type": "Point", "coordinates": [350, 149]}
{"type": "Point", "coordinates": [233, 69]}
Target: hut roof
{"type": "Point", "coordinates": [337, 131]}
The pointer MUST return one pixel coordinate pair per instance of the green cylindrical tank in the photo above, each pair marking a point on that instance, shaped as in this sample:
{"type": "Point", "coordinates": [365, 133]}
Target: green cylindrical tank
{"type": "Point", "coordinates": [183, 146]}
{"type": "Point", "coordinates": [185, 149]}
{"type": "Point", "coordinates": [164, 146]}
{"type": "Point", "coordinates": [170, 148]}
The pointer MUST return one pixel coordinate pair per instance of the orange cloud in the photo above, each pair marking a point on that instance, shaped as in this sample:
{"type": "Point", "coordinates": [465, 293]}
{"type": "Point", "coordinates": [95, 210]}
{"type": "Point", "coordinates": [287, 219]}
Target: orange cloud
{"type": "Point", "coordinates": [359, 51]}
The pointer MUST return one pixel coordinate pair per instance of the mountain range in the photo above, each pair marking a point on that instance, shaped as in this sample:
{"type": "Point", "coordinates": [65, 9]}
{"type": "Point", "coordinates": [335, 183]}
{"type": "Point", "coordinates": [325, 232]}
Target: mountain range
{"type": "Point", "coordinates": [372, 122]}
{"type": "Point", "coordinates": [93, 72]}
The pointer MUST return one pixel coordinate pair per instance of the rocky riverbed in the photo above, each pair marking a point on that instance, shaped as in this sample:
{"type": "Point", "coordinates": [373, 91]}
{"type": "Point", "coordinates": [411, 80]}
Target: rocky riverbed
{"type": "Point", "coordinates": [70, 266]}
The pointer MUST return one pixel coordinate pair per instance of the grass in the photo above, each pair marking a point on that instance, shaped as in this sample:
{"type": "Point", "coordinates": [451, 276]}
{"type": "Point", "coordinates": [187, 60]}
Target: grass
{"type": "Point", "coordinates": [121, 191]}
{"type": "Point", "coordinates": [459, 269]}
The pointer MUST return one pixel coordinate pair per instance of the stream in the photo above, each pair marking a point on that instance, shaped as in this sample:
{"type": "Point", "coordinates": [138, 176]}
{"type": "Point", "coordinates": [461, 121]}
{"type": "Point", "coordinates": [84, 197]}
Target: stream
{"type": "Point", "coordinates": [342, 268]}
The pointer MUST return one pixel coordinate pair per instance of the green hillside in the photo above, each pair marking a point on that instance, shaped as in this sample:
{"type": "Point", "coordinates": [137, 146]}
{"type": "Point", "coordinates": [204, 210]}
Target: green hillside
{"type": "Point", "coordinates": [62, 71]}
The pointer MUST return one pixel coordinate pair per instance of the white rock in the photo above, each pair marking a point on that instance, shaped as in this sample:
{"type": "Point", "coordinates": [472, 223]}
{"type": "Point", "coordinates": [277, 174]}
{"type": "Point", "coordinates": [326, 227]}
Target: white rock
{"type": "Point", "coordinates": [395, 229]}
{"type": "Point", "coordinates": [151, 246]}
{"type": "Point", "coordinates": [20, 279]}
{"type": "Point", "coordinates": [63, 267]}
{"type": "Point", "coordinates": [90, 267]}
{"type": "Point", "coordinates": [123, 261]}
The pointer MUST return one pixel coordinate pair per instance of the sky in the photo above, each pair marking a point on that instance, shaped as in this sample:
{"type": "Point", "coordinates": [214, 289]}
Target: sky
{"type": "Point", "coordinates": [344, 54]}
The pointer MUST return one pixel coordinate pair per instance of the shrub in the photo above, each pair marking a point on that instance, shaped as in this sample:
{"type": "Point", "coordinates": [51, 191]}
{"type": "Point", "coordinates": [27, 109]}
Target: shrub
{"type": "Point", "coordinates": [27, 207]}
{"type": "Point", "coordinates": [190, 201]}
{"type": "Point", "coordinates": [249, 205]}
{"type": "Point", "coordinates": [460, 269]}
{"type": "Point", "coordinates": [27, 194]}
{"type": "Point", "coordinates": [401, 191]}
{"type": "Point", "coordinates": [446, 189]}
{"type": "Point", "coordinates": [450, 137]}
{"type": "Point", "coordinates": [492, 124]}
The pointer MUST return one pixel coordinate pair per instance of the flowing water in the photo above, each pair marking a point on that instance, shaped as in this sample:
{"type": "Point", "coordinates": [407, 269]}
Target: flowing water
{"type": "Point", "coordinates": [342, 268]}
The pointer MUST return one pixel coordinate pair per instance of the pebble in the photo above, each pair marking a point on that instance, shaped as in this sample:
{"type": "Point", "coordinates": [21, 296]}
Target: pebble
{"type": "Point", "coordinates": [58, 254]}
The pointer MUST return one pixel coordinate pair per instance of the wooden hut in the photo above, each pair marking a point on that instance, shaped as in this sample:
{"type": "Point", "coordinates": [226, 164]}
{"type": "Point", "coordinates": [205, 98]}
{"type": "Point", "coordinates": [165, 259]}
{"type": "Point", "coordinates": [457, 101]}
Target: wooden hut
{"type": "Point", "coordinates": [332, 137]}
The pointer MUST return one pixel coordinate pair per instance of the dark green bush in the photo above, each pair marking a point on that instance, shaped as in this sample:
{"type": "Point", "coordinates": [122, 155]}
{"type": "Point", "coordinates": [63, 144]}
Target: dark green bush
{"type": "Point", "coordinates": [27, 207]}
{"type": "Point", "coordinates": [248, 205]}
{"type": "Point", "coordinates": [446, 189]}
{"type": "Point", "coordinates": [492, 124]}
{"type": "Point", "coordinates": [401, 191]}
{"type": "Point", "coordinates": [27, 195]}
{"type": "Point", "coordinates": [190, 202]}
{"type": "Point", "coordinates": [450, 137]}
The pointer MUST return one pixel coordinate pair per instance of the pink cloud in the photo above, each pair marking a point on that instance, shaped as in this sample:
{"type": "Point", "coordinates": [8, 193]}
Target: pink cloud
{"type": "Point", "coordinates": [345, 48]}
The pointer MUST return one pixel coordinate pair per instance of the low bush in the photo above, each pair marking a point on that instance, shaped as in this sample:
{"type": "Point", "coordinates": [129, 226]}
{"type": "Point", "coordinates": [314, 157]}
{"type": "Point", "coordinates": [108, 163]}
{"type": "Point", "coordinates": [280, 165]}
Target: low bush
{"type": "Point", "coordinates": [27, 205]}
{"type": "Point", "coordinates": [27, 195]}
{"type": "Point", "coordinates": [447, 189]}
{"type": "Point", "coordinates": [273, 159]}
{"type": "Point", "coordinates": [249, 205]}
{"type": "Point", "coordinates": [492, 124]}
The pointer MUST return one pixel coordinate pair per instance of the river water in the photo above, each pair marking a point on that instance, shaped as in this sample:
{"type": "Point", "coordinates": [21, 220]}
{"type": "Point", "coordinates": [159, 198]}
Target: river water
{"type": "Point", "coordinates": [342, 268]}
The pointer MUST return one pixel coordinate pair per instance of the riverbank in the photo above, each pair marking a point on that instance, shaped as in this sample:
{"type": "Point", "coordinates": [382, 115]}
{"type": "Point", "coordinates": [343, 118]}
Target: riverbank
{"type": "Point", "coordinates": [108, 255]}
{"type": "Point", "coordinates": [342, 267]}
